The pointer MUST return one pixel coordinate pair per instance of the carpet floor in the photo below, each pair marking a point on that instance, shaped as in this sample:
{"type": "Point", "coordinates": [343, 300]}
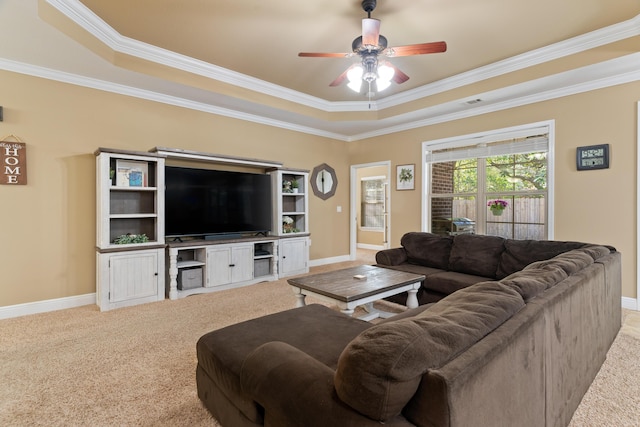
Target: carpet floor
{"type": "Point", "coordinates": [136, 366]}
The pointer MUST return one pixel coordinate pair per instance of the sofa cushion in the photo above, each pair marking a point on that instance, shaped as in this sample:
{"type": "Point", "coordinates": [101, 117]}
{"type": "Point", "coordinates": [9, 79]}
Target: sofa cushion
{"type": "Point", "coordinates": [380, 370]}
{"type": "Point", "coordinates": [570, 262]}
{"type": "Point", "coordinates": [520, 253]}
{"type": "Point", "coordinates": [447, 282]}
{"type": "Point", "coordinates": [220, 353]}
{"type": "Point", "coordinates": [531, 282]}
{"type": "Point", "coordinates": [476, 254]}
{"type": "Point", "coordinates": [412, 268]}
{"type": "Point", "coordinates": [427, 249]}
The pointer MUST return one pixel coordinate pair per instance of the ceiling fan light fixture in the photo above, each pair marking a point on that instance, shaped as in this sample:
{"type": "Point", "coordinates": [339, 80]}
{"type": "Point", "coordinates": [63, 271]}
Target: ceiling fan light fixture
{"type": "Point", "coordinates": [355, 85]}
{"type": "Point", "coordinates": [355, 73]}
{"type": "Point", "coordinates": [385, 72]}
{"type": "Point", "coordinates": [382, 84]}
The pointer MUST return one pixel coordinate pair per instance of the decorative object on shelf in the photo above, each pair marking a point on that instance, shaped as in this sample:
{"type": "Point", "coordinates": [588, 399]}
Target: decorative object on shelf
{"type": "Point", "coordinates": [592, 157]}
{"type": "Point", "coordinates": [324, 181]}
{"type": "Point", "coordinates": [287, 186]}
{"type": "Point", "coordinates": [287, 225]}
{"type": "Point", "coordinates": [129, 238]}
{"type": "Point", "coordinates": [294, 186]}
{"type": "Point", "coordinates": [405, 177]}
{"type": "Point", "coordinates": [131, 173]}
{"type": "Point", "coordinates": [13, 157]}
{"type": "Point", "coordinates": [497, 206]}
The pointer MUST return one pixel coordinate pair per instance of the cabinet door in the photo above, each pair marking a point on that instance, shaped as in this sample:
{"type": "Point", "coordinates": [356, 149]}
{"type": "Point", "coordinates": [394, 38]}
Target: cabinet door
{"type": "Point", "coordinates": [229, 264]}
{"type": "Point", "coordinates": [219, 266]}
{"type": "Point", "coordinates": [242, 261]}
{"type": "Point", "coordinates": [133, 276]}
{"type": "Point", "coordinates": [293, 256]}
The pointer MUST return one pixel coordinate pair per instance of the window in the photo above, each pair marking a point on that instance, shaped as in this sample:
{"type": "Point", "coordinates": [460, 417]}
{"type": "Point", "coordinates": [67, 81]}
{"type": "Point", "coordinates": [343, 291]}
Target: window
{"type": "Point", "coordinates": [372, 205]}
{"type": "Point", "coordinates": [468, 175]}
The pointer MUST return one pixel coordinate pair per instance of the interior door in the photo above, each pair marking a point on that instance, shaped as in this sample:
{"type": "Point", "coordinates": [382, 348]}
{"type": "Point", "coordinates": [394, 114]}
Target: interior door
{"type": "Point", "coordinates": [364, 171]}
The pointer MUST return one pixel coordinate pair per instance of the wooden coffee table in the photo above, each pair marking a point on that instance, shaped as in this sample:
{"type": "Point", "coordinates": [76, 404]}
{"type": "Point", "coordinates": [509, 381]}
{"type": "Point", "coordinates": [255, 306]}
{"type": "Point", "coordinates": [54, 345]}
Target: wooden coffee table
{"type": "Point", "coordinates": [344, 288]}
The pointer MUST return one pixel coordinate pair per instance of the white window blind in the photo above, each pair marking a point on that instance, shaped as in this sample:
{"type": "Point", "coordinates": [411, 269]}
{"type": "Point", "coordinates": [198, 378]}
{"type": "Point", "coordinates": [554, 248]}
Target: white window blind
{"type": "Point", "coordinates": [516, 142]}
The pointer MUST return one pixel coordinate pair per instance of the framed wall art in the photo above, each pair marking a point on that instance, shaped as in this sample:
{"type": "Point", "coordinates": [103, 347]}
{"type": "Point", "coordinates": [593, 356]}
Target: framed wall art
{"type": "Point", "coordinates": [405, 177]}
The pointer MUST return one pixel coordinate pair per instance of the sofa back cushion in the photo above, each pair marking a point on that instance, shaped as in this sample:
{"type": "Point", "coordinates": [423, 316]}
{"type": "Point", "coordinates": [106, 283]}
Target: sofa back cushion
{"type": "Point", "coordinates": [427, 249]}
{"type": "Point", "coordinates": [476, 254]}
{"type": "Point", "coordinates": [520, 253]}
{"type": "Point", "coordinates": [572, 261]}
{"type": "Point", "coordinates": [531, 282]}
{"type": "Point", "coordinates": [380, 370]}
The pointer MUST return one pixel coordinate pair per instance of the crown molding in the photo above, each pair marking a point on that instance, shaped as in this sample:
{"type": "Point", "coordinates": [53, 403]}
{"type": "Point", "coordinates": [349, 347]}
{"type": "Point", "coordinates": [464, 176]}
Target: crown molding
{"type": "Point", "coordinates": [601, 37]}
{"type": "Point", "coordinates": [598, 76]}
{"type": "Point", "coordinates": [85, 18]}
{"type": "Point", "coordinates": [88, 82]}
{"type": "Point", "coordinates": [610, 73]}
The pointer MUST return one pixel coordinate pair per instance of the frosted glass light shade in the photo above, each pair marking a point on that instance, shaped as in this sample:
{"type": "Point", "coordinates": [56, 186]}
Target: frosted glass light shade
{"type": "Point", "coordinates": [382, 84]}
{"type": "Point", "coordinates": [385, 72]}
{"type": "Point", "coordinates": [355, 73]}
{"type": "Point", "coordinates": [355, 85]}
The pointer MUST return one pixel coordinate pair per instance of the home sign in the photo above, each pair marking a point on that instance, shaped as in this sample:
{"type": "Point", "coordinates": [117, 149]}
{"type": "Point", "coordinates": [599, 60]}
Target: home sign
{"type": "Point", "coordinates": [13, 161]}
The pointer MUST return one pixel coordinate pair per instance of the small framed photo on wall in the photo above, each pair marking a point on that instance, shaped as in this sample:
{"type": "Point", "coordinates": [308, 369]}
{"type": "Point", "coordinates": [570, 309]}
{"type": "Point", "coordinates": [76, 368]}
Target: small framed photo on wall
{"type": "Point", "coordinates": [405, 177]}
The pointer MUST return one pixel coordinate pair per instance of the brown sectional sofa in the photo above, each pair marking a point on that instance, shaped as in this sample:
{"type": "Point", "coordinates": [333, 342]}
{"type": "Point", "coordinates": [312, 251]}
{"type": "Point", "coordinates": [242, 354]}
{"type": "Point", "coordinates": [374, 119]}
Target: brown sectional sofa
{"type": "Point", "coordinates": [521, 351]}
{"type": "Point", "coordinates": [451, 263]}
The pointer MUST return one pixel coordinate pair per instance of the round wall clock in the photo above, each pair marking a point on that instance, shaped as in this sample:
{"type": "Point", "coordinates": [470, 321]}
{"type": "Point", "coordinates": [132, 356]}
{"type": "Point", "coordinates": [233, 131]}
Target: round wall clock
{"type": "Point", "coordinates": [324, 181]}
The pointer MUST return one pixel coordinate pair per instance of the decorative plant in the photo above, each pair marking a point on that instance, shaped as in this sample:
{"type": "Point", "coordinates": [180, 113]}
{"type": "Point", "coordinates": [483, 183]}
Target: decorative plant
{"type": "Point", "coordinates": [405, 175]}
{"type": "Point", "coordinates": [497, 205]}
{"type": "Point", "coordinates": [287, 225]}
{"type": "Point", "coordinates": [294, 184]}
{"type": "Point", "coordinates": [129, 238]}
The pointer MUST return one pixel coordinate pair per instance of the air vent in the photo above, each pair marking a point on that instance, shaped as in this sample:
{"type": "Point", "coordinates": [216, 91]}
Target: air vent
{"type": "Point", "coordinates": [473, 101]}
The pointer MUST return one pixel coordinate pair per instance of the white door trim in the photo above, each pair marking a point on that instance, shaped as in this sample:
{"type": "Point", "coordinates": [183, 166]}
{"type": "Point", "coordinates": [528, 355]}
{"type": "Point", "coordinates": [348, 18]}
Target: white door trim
{"type": "Point", "coordinates": [353, 207]}
{"type": "Point", "coordinates": [630, 303]}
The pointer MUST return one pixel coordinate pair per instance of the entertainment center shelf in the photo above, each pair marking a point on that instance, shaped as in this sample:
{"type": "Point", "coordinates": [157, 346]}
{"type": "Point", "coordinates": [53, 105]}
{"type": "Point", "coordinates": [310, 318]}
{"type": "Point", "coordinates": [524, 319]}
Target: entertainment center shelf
{"type": "Point", "coordinates": [143, 201]}
{"type": "Point", "coordinates": [201, 266]}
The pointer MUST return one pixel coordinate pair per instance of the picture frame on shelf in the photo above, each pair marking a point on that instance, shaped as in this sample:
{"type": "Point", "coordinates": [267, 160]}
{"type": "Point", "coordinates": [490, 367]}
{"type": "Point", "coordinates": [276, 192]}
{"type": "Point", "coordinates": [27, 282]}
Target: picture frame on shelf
{"type": "Point", "coordinates": [131, 173]}
{"type": "Point", "coordinates": [405, 177]}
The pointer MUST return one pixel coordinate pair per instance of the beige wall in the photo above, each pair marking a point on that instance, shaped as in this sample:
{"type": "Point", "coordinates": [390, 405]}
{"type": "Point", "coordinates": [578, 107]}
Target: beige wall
{"type": "Point", "coordinates": [48, 244]}
{"type": "Point", "coordinates": [48, 236]}
{"type": "Point", "coordinates": [591, 206]}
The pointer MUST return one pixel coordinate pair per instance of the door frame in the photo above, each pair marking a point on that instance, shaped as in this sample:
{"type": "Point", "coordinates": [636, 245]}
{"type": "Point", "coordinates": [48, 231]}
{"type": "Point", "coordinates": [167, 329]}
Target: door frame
{"type": "Point", "coordinates": [353, 205]}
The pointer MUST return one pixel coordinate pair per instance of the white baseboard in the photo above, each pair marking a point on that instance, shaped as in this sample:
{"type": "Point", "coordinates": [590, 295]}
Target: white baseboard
{"type": "Point", "coordinates": [47, 305]}
{"type": "Point", "coordinates": [630, 303]}
{"type": "Point", "coordinates": [372, 247]}
{"type": "Point", "coordinates": [88, 299]}
{"type": "Point", "coordinates": [325, 261]}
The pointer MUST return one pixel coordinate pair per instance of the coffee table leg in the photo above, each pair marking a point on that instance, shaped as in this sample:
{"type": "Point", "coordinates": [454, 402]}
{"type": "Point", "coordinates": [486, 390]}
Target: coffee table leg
{"type": "Point", "coordinates": [347, 311]}
{"type": "Point", "coordinates": [412, 298]}
{"type": "Point", "coordinates": [299, 297]}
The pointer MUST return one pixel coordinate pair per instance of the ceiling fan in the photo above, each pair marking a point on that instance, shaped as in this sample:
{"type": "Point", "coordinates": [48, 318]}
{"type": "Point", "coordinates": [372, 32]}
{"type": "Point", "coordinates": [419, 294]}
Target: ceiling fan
{"type": "Point", "coordinates": [370, 46]}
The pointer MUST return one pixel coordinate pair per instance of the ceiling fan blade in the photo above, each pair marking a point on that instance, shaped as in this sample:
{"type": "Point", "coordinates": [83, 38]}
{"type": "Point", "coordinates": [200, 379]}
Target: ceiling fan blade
{"type": "Point", "coordinates": [417, 49]}
{"type": "Point", "coordinates": [398, 76]}
{"type": "Point", "coordinates": [341, 78]}
{"type": "Point", "coordinates": [324, 55]}
{"type": "Point", "coordinates": [370, 31]}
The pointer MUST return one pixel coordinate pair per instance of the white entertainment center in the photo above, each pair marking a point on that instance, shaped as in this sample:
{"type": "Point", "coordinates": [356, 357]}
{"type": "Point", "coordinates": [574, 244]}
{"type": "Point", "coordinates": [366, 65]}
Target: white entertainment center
{"type": "Point", "coordinates": [138, 269]}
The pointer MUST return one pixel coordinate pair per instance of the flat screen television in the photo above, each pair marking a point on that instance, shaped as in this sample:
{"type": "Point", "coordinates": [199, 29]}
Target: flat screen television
{"type": "Point", "coordinates": [201, 202]}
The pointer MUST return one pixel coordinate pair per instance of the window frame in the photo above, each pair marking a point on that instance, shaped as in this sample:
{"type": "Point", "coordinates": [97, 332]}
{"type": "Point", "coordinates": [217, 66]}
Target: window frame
{"type": "Point", "coordinates": [476, 139]}
{"type": "Point", "coordinates": [383, 180]}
